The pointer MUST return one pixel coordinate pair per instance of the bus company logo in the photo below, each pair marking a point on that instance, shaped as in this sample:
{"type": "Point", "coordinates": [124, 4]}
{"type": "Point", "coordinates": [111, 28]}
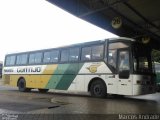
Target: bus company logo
{"type": "Point", "coordinates": [29, 70]}
{"type": "Point", "coordinates": [93, 68]}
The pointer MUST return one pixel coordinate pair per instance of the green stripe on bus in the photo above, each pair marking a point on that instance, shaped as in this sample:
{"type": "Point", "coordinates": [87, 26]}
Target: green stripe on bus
{"type": "Point", "coordinates": [64, 75]}
{"type": "Point", "coordinates": [56, 77]}
{"type": "Point", "coordinates": [69, 76]}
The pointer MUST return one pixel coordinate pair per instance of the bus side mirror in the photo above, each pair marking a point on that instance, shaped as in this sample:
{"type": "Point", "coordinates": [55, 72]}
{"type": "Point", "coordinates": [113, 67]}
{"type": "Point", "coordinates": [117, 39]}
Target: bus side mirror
{"type": "Point", "coordinates": [124, 74]}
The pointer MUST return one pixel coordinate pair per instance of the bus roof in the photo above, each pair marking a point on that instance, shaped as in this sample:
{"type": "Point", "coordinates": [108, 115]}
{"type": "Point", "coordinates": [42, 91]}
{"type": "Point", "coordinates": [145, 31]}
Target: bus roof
{"type": "Point", "coordinates": [78, 44]}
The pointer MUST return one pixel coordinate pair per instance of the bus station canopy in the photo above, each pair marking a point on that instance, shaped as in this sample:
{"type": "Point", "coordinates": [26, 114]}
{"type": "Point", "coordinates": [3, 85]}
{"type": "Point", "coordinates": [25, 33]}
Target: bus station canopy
{"type": "Point", "coordinates": [139, 19]}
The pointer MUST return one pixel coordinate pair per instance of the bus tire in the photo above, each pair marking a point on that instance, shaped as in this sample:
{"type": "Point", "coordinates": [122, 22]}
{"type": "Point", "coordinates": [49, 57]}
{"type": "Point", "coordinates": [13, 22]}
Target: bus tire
{"type": "Point", "coordinates": [22, 86]}
{"type": "Point", "coordinates": [98, 89]}
{"type": "Point", "coordinates": [43, 90]}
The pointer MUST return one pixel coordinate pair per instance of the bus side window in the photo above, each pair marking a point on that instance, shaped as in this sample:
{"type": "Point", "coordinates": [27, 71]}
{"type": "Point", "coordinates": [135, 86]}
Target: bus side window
{"type": "Point", "coordinates": [73, 54]}
{"type": "Point", "coordinates": [51, 56]}
{"type": "Point", "coordinates": [54, 56]}
{"type": "Point", "coordinates": [47, 57]}
{"type": "Point", "coordinates": [86, 53]}
{"type": "Point", "coordinates": [21, 59]}
{"type": "Point", "coordinates": [31, 58]}
{"type": "Point", "coordinates": [64, 55]}
{"type": "Point", "coordinates": [97, 52]}
{"type": "Point", "coordinates": [10, 60]}
{"type": "Point", "coordinates": [112, 57]}
{"type": "Point", "coordinates": [38, 57]}
{"type": "Point", "coordinates": [35, 58]}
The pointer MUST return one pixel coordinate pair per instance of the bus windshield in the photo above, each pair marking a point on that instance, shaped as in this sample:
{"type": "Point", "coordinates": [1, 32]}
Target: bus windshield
{"type": "Point", "coordinates": [142, 59]}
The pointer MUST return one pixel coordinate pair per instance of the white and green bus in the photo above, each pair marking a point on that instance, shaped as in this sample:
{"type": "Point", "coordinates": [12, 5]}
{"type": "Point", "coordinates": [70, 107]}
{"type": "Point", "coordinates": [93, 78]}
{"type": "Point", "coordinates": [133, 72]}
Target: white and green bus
{"type": "Point", "coordinates": [119, 66]}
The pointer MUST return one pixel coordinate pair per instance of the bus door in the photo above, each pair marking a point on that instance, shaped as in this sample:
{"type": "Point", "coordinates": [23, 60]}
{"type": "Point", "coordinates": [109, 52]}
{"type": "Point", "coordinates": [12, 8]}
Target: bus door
{"type": "Point", "coordinates": [124, 77]}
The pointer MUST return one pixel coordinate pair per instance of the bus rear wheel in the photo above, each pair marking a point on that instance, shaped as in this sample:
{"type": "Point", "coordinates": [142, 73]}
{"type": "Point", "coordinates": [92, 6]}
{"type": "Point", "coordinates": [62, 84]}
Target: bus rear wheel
{"type": "Point", "coordinates": [22, 86]}
{"type": "Point", "coordinates": [43, 90]}
{"type": "Point", "coordinates": [98, 89]}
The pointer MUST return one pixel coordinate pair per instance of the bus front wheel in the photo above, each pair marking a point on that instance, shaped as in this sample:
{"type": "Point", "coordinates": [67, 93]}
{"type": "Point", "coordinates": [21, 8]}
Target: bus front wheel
{"type": "Point", "coordinates": [98, 89]}
{"type": "Point", "coordinates": [22, 86]}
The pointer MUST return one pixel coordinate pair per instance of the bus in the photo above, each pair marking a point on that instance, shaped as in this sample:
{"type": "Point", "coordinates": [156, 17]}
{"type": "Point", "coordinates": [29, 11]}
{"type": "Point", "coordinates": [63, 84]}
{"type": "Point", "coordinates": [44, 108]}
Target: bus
{"type": "Point", "coordinates": [120, 66]}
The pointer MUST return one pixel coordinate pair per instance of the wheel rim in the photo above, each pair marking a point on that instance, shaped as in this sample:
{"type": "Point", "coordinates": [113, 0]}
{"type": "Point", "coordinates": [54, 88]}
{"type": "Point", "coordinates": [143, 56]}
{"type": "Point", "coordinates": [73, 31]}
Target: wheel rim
{"type": "Point", "coordinates": [97, 90]}
{"type": "Point", "coordinates": [21, 85]}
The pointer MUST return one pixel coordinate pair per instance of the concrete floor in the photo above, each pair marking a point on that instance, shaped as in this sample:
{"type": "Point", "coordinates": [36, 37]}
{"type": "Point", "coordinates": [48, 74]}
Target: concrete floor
{"type": "Point", "coordinates": [14, 102]}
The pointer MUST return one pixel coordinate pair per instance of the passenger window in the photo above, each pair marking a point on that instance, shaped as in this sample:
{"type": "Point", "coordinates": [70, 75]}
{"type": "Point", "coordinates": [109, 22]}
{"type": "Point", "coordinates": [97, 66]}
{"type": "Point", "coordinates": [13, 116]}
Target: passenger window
{"type": "Point", "coordinates": [97, 52]}
{"type": "Point", "coordinates": [21, 59]}
{"type": "Point", "coordinates": [64, 55]}
{"type": "Point", "coordinates": [35, 58]}
{"type": "Point", "coordinates": [51, 56]}
{"type": "Point", "coordinates": [54, 56]}
{"type": "Point", "coordinates": [47, 57]}
{"type": "Point", "coordinates": [10, 60]}
{"type": "Point", "coordinates": [38, 57]}
{"type": "Point", "coordinates": [86, 53]}
{"type": "Point", "coordinates": [74, 54]}
{"type": "Point", "coordinates": [31, 58]}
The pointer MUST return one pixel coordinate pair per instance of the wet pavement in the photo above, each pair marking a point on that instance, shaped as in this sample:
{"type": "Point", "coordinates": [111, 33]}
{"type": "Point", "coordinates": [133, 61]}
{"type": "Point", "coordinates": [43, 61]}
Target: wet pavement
{"type": "Point", "coordinates": [56, 104]}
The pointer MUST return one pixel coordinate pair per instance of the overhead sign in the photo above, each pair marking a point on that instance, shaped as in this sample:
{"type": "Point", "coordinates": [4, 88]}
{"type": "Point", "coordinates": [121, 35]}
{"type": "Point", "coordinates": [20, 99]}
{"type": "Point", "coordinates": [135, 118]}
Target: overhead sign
{"type": "Point", "coordinates": [145, 39]}
{"type": "Point", "coordinates": [116, 22]}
